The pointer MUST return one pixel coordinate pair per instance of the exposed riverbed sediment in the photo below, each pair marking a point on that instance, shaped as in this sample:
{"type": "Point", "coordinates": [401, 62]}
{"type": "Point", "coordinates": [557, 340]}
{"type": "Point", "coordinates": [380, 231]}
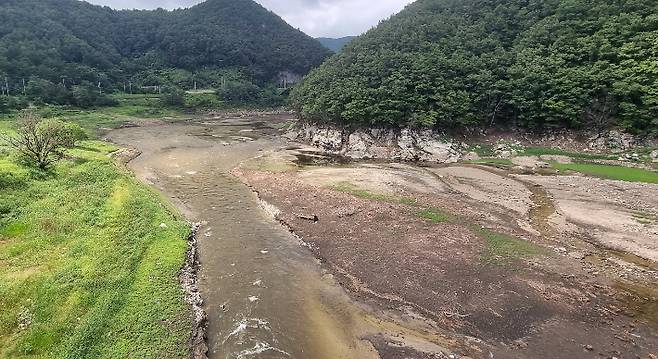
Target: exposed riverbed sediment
{"type": "Point", "coordinates": [395, 260]}
{"type": "Point", "coordinates": [264, 292]}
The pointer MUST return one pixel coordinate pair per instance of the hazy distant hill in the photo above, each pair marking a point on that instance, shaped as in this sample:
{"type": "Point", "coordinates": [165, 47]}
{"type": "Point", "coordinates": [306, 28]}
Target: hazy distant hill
{"type": "Point", "coordinates": [335, 45]}
{"type": "Point", "coordinates": [72, 42]}
{"type": "Point", "coordinates": [538, 64]}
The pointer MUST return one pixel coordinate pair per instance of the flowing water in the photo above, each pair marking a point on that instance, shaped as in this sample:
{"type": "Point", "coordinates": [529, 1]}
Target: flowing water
{"type": "Point", "coordinates": [265, 294]}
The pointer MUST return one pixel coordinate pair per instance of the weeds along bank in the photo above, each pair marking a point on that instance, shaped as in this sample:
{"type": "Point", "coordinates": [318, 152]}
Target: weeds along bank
{"type": "Point", "coordinates": [89, 261]}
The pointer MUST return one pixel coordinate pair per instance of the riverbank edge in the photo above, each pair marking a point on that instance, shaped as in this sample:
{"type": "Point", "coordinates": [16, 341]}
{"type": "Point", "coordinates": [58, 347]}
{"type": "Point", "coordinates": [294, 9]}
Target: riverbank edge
{"type": "Point", "coordinates": [189, 281]}
{"type": "Point", "coordinates": [188, 276]}
{"type": "Point", "coordinates": [437, 146]}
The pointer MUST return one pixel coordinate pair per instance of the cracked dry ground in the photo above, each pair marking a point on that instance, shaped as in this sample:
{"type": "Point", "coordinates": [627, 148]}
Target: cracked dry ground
{"type": "Point", "coordinates": [490, 261]}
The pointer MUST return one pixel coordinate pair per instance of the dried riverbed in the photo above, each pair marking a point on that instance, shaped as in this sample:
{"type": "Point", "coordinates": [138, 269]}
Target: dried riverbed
{"type": "Point", "coordinates": [440, 261]}
{"type": "Point", "coordinates": [265, 294]}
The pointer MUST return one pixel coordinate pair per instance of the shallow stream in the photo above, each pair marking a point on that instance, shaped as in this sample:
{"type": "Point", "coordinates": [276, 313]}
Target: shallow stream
{"type": "Point", "coordinates": [265, 294]}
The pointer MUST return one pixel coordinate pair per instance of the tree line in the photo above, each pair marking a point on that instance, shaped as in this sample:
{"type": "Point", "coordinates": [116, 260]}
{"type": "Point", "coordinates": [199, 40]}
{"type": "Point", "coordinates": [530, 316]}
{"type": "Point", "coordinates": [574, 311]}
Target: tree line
{"type": "Point", "coordinates": [467, 63]}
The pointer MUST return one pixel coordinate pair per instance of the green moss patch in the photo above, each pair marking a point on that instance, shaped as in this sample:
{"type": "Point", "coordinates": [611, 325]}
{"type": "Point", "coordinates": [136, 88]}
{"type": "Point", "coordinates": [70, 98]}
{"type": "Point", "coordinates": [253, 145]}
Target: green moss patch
{"type": "Point", "coordinates": [434, 215]}
{"type": "Point", "coordinates": [620, 173]}
{"type": "Point", "coordinates": [503, 249]}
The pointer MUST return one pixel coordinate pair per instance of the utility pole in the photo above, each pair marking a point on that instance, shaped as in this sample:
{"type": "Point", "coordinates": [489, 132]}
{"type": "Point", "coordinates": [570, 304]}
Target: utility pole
{"type": "Point", "coordinates": [24, 90]}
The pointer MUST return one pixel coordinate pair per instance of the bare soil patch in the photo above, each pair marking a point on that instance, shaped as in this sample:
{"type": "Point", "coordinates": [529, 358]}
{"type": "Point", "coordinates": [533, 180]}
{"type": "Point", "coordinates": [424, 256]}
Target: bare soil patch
{"type": "Point", "coordinates": [477, 253]}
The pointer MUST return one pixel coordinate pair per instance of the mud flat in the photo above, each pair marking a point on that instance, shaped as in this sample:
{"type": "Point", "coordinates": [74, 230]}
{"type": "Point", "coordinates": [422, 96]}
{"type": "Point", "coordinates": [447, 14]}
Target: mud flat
{"type": "Point", "coordinates": [487, 262]}
{"type": "Point", "coordinates": [265, 293]}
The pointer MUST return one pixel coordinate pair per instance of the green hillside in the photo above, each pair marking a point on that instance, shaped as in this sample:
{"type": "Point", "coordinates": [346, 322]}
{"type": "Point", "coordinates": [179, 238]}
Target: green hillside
{"type": "Point", "coordinates": [58, 45]}
{"type": "Point", "coordinates": [537, 64]}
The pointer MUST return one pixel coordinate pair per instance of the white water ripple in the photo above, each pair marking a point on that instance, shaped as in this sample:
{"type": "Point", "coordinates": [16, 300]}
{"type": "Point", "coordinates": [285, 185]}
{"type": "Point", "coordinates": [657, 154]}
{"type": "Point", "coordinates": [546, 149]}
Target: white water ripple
{"type": "Point", "coordinates": [260, 347]}
{"type": "Point", "coordinates": [248, 323]}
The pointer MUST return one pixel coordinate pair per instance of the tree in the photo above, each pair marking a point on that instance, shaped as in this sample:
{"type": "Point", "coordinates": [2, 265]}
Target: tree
{"type": "Point", "coordinates": [173, 98]}
{"type": "Point", "coordinates": [4, 104]}
{"type": "Point", "coordinates": [239, 92]}
{"type": "Point", "coordinates": [72, 133]}
{"type": "Point", "coordinates": [56, 45]}
{"type": "Point", "coordinates": [87, 95]}
{"type": "Point", "coordinates": [42, 141]}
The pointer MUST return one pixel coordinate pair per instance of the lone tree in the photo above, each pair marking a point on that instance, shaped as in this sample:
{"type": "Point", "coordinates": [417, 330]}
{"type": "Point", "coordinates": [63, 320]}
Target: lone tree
{"type": "Point", "coordinates": [43, 141]}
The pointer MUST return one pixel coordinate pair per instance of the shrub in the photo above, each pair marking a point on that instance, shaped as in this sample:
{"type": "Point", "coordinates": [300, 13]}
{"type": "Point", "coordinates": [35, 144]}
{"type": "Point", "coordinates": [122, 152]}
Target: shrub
{"type": "Point", "coordinates": [42, 141]}
{"type": "Point", "coordinates": [173, 98]}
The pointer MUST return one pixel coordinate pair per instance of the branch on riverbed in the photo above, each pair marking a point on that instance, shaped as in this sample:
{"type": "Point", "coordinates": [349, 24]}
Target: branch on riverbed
{"type": "Point", "coordinates": [312, 217]}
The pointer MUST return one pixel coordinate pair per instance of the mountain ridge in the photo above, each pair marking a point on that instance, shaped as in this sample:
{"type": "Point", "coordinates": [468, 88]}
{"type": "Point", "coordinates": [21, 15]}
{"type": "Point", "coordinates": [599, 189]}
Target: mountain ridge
{"type": "Point", "coordinates": [479, 63]}
{"type": "Point", "coordinates": [335, 44]}
{"type": "Point", "coordinates": [74, 41]}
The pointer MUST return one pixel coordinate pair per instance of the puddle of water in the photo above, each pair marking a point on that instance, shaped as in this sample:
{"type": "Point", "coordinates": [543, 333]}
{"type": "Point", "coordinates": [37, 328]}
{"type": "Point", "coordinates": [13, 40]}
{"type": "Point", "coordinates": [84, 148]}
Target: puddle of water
{"type": "Point", "coordinates": [640, 301]}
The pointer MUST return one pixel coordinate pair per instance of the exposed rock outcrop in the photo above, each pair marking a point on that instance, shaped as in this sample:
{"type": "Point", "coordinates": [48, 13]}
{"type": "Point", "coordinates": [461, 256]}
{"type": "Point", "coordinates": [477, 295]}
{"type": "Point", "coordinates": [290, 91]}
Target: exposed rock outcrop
{"type": "Point", "coordinates": [508, 149]}
{"type": "Point", "coordinates": [378, 143]}
{"type": "Point", "coordinates": [613, 140]}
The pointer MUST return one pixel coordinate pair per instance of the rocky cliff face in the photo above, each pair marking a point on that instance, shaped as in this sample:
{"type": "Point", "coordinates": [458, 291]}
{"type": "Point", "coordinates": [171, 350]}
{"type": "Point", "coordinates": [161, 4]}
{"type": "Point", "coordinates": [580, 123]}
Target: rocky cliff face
{"type": "Point", "coordinates": [378, 143]}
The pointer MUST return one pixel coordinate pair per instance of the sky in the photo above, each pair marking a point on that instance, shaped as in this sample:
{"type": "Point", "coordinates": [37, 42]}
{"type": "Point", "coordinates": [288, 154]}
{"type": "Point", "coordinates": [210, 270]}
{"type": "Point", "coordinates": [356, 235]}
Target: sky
{"type": "Point", "coordinates": [327, 18]}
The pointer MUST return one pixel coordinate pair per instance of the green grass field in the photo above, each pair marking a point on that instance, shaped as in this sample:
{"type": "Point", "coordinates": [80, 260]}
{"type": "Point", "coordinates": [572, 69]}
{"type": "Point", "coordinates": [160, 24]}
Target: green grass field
{"type": "Point", "coordinates": [503, 249]}
{"type": "Point", "coordinates": [130, 108]}
{"type": "Point", "coordinates": [610, 172]}
{"type": "Point", "coordinates": [86, 268]}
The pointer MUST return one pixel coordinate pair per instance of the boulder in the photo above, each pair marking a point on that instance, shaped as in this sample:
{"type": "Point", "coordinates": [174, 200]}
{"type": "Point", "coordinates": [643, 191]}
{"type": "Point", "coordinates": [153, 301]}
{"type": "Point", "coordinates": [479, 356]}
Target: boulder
{"type": "Point", "coordinates": [613, 140]}
{"type": "Point", "coordinates": [471, 156]}
{"type": "Point", "coordinates": [359, 145]}
{"type": "Point", "coordinates": [654, 156]}
{"type": "Point", "coordinates": [329, 139]}
{"type": "Point", "coordinates": [556, 158]}
{"type": "Point", "coordinates": [507, 149]}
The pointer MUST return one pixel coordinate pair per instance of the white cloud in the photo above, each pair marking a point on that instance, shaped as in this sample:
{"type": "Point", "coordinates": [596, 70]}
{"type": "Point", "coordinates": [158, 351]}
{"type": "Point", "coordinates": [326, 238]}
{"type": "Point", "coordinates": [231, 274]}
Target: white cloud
{"type": "Point", "coordinates": [330, 18]}
{"type": "Point", "coordinates": [334, 18]}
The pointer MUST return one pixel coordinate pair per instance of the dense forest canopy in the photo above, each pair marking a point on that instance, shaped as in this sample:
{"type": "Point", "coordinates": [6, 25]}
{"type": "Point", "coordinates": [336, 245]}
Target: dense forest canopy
{"type": "Point", "coordinates": [533, 63]}
{"type": "Point", "coordinates": [58, 45]}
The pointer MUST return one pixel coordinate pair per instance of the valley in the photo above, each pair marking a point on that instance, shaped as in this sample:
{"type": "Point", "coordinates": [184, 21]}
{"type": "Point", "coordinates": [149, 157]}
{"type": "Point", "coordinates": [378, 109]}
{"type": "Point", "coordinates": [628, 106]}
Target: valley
{"type": "Point", "coordinates": [210, 179]}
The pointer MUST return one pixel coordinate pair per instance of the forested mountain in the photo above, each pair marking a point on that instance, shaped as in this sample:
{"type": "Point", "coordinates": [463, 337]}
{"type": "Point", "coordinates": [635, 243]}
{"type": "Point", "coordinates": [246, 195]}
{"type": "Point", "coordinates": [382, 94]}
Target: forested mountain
{"type": "Point", "coordinates": [335, 45]}
{"type": "Point", "coordinates": [57, 43]}
{"type": "Point", "coordinates": [532, 63]}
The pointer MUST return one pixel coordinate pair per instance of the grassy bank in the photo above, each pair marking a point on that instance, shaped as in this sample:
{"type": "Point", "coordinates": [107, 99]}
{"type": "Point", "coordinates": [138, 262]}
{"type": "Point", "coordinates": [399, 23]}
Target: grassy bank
{"type": "Point", "coordinates": [620, 173]}
{"type": "Point", "coordinates": [89, 260]}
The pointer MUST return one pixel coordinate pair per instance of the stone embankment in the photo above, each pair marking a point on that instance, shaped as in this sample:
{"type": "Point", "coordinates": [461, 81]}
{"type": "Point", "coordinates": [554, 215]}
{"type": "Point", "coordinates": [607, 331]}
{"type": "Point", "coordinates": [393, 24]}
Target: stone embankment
{"type": "Point", "coordinates": [429, 145]}
{"type": "Point", "coordinates": [378, 143]}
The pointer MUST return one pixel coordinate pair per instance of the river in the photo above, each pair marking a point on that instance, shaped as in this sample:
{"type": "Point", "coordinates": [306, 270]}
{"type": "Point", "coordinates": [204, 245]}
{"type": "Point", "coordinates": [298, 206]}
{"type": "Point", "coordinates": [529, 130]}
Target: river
{"type": "Point", "coordinates": [265, 294]}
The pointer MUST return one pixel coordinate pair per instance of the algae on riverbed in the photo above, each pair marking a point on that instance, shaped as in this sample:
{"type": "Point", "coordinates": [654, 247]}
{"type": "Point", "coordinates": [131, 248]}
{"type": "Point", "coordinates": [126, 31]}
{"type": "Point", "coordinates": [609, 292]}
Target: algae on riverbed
{"type": "Point", "coordinates": [503, 249]}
